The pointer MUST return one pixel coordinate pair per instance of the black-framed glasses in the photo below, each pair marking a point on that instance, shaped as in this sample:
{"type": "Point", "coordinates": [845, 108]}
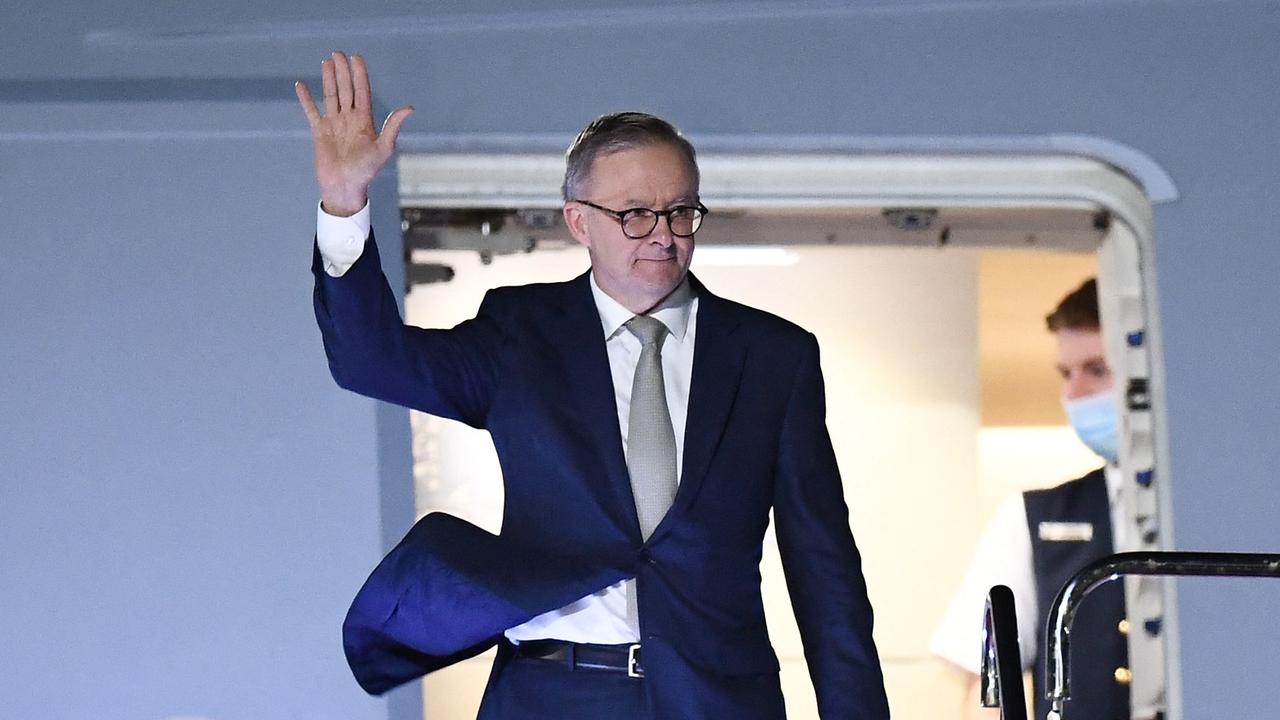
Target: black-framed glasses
{"type": "Point", "coordinates": [637, 223]}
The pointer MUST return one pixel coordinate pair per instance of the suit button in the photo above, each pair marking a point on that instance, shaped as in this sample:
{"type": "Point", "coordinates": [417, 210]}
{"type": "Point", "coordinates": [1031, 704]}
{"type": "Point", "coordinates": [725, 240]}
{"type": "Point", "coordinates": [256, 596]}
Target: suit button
{"type": "Point", "coordinates": [1123, 627]}
{"type": "Point", "coordinates": [1123, 676]}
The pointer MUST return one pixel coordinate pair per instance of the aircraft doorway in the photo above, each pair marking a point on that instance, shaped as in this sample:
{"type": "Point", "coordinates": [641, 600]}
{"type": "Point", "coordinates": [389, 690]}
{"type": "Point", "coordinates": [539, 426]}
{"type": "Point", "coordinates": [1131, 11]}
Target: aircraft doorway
{"type": "Point", "coordinates": [926, 281]}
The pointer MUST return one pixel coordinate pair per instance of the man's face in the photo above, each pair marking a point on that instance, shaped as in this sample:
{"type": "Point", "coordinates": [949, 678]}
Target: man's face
{"type": "Point", "coordinates": [1082, 363]}
{"type": "Point", "coordinates": [638, 273]}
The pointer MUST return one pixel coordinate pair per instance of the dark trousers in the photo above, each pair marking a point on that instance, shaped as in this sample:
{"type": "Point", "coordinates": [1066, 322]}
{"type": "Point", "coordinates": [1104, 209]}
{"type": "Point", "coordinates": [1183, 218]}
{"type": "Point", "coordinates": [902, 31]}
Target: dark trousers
{"type": "Point", "coordinates": [529, 689]}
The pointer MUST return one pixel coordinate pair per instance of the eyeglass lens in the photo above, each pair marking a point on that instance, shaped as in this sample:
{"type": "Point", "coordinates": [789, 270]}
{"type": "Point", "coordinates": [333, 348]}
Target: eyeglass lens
{"type": "Point", "coordinates": [640, 222]}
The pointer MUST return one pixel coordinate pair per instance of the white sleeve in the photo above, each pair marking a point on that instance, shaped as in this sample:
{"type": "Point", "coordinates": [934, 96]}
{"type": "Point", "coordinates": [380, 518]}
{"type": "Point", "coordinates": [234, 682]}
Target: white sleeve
{"type": "Point", "coordinates": [341, 239]}
{"type": "Point", "coordinates": [1003, 557]}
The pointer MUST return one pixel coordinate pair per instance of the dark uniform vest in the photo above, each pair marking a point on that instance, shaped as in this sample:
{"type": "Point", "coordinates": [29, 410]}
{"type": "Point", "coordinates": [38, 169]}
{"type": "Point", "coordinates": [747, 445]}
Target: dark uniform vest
{"type": "Point", "coordinates": [1098, 646]}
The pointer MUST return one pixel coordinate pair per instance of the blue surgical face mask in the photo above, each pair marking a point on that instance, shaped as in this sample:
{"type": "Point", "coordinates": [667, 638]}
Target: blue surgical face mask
{"type": "Point", "coordinates": [1095, 420]}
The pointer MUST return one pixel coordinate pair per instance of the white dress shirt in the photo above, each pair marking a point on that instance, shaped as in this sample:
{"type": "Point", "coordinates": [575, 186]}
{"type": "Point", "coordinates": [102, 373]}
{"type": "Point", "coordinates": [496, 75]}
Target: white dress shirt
{"type": "Point", "coordinates": [602, 616]}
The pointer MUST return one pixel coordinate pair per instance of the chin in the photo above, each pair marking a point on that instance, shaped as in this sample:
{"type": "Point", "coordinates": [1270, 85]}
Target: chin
{"type": "Point", "coordinates": [662, 287]}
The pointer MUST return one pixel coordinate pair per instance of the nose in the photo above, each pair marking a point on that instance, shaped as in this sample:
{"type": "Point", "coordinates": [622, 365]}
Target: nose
{"type": "Point", "coordinates": [662, 235]}
{"type": "Point", "coordinates": [1071, 388]}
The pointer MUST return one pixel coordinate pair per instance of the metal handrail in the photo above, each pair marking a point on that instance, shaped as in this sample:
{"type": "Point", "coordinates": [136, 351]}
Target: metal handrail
{"type": "Point", "coordinates": [1067, 602]}
{"type": "Point", "coordinates": [1001, 676]}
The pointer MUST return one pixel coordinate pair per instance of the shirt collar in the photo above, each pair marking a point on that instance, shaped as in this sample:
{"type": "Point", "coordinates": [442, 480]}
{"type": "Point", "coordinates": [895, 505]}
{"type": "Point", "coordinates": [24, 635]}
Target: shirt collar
{"type": "Point", "coordinates": [1115, 481]}
{"type": "Point", "coordinates": [673, 311]}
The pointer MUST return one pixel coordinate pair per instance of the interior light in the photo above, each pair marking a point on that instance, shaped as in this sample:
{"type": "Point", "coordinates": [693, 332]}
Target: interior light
{"type": "Point", "coordinates": [739, 256]}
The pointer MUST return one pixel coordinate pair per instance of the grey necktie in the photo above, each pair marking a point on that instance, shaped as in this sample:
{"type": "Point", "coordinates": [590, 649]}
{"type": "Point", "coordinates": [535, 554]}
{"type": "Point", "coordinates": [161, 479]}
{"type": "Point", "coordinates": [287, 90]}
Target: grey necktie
{"type": "Point", "coordinates": [651, 442]}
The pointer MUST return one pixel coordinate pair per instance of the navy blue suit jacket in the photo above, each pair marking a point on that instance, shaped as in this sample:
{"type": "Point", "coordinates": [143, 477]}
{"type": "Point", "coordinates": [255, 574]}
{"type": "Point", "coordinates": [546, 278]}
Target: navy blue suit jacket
{"type": "Point", "coordinates": [531, 368]}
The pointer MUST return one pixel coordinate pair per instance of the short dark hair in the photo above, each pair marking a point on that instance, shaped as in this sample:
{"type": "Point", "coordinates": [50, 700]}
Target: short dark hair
{"type": "Point", "coordinates": [615, 132]}
{"type": "Point", "coordinates": [1078, 310]}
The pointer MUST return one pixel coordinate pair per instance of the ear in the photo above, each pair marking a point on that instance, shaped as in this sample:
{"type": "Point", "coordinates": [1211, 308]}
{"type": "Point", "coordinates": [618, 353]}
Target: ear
{"type": "Point", "coordinates": [576, 220]}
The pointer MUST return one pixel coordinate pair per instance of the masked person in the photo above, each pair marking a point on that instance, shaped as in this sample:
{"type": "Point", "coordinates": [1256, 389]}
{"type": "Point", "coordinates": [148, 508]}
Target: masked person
{"type": "Point", "coordinates": [1037, 540]}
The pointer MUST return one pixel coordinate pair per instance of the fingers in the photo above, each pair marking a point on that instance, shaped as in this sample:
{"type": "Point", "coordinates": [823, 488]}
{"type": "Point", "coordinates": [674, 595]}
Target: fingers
{"type": "Point", "coordinates": [342, 73]}
{"type": "Point", "coordinates": [391, 128]}
{"type": "Point", "coordinates": [308, 104]}
{"type": "Point", "coordinates": [330, 82]}
{"type": "Point", "coordinates": [363, 99]}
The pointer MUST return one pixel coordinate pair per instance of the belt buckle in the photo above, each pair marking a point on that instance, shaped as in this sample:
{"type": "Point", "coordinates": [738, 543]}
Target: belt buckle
{"type": "Point", "coordinates": [633, 661]}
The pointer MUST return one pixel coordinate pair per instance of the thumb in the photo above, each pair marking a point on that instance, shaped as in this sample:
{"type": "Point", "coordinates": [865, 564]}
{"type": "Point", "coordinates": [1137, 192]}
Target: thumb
{"type": "Point", "coordinates": [391, 128]}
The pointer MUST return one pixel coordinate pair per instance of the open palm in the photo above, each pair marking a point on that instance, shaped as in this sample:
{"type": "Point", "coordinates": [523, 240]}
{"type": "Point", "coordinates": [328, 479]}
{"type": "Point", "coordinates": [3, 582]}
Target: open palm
{"type": "Point", "coordinates": [348, 151]}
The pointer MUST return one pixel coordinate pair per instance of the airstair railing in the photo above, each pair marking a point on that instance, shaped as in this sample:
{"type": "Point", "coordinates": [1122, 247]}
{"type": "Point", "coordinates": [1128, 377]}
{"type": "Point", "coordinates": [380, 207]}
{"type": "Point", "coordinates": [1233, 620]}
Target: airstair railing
{"type": "Point", "coordinates": [1001, 676]}
{"type": "Point", "coordinates": [1186, 564]}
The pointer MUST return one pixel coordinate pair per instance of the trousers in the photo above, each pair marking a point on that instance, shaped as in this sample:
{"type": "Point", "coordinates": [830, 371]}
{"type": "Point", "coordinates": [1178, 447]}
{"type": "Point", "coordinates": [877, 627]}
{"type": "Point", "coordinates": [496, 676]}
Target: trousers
{"type": "Point", "coordinates": [529, 689]}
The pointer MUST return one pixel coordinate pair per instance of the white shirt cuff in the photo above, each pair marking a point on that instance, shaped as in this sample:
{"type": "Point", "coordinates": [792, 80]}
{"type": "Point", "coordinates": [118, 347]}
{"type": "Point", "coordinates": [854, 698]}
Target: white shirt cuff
{"type": "Point", "coordinates": [341, 239]}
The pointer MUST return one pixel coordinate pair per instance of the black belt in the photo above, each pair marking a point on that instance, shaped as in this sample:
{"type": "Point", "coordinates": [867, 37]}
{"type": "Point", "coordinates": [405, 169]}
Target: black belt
{"type": "Point", "coordinates": [584, 656]}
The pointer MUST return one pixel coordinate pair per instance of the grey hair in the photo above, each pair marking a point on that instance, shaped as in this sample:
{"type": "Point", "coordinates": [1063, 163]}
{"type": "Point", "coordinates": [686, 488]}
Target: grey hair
{"type": "Point", "coordinates": [615, 132]}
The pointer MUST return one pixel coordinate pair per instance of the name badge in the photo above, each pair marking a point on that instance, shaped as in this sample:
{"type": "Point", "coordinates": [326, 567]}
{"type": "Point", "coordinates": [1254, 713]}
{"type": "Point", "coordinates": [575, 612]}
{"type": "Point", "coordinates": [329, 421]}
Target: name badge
{"type": "Point", "coordinates": [1066, 531]}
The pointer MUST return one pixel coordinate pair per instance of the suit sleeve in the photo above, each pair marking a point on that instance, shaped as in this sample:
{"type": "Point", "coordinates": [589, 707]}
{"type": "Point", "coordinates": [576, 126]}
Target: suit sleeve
{"type": "Point", "coordinates": [820, 561]}
{"type": "Point", "coordinates": [449, 373]}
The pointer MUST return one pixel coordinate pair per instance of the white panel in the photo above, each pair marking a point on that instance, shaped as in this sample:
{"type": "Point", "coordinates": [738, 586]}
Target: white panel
{"type": "Point", "coordinates": [1013, 459]}
{"type": "Point", "coordinates": [923, 689]}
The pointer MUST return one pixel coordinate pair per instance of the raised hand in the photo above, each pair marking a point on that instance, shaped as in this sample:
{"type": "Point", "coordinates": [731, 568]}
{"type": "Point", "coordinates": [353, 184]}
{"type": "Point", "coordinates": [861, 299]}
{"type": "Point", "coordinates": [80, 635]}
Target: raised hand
{"type": "Point", "coordinates": [348, 152]}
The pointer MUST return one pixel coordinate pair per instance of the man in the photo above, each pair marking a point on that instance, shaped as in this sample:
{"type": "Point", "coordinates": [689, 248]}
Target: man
{"type": "Point", "coordinates": [1038, 540]}
{"type": "Point", "coordinates": [645, 427]}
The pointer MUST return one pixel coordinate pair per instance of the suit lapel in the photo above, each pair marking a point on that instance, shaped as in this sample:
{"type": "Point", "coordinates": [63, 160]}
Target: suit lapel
{"type": "Point", "coordinates": [719, 352]}
{"type": "Point", "coordinates": [590, 391]}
